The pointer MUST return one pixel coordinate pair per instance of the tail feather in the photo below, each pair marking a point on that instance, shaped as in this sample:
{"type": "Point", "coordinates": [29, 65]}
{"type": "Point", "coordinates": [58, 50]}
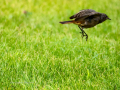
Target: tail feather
{"type": "Point", "coordinates": [66, 22]}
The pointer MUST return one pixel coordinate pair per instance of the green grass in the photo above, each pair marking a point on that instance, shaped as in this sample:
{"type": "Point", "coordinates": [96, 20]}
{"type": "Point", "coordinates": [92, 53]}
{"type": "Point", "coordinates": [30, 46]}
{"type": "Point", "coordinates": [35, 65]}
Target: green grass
{"type": "Point", "coordinates": [39, 53]}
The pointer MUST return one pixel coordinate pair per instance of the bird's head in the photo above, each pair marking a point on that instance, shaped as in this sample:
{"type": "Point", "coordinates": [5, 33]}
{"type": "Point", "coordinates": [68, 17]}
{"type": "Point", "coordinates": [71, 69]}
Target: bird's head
{"type": "Point", "coordinates": [104, 17]}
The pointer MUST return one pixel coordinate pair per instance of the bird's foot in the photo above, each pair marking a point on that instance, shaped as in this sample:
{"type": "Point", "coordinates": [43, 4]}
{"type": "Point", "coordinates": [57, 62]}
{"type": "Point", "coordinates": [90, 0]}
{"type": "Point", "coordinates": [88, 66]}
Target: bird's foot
{"type": "Point", "coordinates": [84, 34]}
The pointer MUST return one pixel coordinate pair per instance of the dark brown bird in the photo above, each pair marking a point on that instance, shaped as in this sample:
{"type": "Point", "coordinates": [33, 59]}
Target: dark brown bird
{"type": "Point", "coordinates": [86, 19]}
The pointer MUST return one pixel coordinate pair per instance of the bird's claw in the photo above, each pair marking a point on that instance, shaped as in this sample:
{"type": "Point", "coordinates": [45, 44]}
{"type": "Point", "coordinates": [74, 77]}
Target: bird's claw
{"type": "Point", "coordinates": [83, 34]}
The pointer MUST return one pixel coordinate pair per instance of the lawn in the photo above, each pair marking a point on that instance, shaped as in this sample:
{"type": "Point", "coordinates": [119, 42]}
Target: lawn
{"type": "Point", "coordinates": [39, 53]}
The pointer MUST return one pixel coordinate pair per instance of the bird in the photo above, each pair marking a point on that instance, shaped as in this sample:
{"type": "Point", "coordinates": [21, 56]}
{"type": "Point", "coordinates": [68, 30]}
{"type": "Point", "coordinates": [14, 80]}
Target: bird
{"type": "Point", "coordinates": [87, 18]}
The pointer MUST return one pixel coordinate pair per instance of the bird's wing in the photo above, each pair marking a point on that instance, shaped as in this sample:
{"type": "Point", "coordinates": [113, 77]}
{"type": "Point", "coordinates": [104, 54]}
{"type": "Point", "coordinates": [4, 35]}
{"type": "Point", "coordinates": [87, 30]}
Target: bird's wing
{"type": "Point", "coordinates": [84, 14]}
{"type": "Point", "coordinates": [88, 16]}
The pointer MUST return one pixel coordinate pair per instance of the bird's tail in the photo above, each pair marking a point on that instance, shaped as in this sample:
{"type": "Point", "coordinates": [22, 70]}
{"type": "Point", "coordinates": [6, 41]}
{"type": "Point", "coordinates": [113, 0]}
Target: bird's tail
{"type": "Point", "coordinates": [66, 22]}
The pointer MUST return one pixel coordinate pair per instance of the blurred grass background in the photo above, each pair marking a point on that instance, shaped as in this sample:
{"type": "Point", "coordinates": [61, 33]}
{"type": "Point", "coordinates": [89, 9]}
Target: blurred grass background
{"type": "Point", "coordinates": [37, 52]}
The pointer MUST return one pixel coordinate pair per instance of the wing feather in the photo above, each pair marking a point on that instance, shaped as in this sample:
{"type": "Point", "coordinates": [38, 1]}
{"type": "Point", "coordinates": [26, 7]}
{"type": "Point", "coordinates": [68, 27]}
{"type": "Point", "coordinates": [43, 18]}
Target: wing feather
{"type": "Point", "coordinates": [84, 14]}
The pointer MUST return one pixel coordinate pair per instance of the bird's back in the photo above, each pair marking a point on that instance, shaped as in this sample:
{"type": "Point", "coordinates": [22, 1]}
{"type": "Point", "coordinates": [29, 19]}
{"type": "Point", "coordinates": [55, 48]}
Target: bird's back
{"type": "Point", "coordinates": [84, 13]}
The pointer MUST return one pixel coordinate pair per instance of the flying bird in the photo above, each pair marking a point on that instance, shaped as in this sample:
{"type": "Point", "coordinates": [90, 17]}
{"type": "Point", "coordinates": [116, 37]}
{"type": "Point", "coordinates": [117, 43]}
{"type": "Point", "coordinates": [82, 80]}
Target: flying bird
{"type": "Point", "coordinates": [86, 19]}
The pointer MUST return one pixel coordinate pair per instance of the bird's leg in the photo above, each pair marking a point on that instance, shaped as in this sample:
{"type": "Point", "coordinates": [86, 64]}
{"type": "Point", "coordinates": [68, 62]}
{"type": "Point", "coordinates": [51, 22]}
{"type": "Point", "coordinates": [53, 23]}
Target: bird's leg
{"type": "Point", "coordinates": [86, 36]}
{"type": "Point", "coordinates": [83, 33]}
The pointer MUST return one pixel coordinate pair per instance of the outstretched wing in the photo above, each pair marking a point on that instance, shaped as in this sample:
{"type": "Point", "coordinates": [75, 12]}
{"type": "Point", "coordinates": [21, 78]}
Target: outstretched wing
{"type": "Point", "coordinates": [84, 14]}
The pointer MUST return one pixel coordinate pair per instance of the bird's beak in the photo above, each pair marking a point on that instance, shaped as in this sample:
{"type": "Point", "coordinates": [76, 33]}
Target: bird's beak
{"type": "Point", "coordinates": [108, 18]}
